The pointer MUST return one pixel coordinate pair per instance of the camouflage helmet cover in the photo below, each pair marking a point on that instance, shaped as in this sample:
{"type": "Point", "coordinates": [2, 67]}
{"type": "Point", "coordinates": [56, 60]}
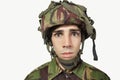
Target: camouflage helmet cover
{"type": "Point", "coordinates": [65, 12]}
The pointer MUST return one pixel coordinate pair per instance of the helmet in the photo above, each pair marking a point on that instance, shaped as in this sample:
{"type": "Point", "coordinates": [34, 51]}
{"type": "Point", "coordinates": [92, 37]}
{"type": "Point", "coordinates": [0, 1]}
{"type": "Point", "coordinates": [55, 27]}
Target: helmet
{"type": "Point", "coordinates": [64, 12]}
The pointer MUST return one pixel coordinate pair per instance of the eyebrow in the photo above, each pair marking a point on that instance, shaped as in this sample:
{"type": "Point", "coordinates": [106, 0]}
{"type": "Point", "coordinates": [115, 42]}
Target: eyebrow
{"type": "Point", "coordinates": [57, 31]}
{"type": "Point", "coordinates": [75, 30]}
{"type": "Point", "coordinates": [69, 30]}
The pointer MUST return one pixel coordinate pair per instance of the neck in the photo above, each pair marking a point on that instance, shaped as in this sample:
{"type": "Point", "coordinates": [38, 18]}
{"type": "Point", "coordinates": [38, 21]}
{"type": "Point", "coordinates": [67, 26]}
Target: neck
{"type": "Point", "coordinates": [68, 65]}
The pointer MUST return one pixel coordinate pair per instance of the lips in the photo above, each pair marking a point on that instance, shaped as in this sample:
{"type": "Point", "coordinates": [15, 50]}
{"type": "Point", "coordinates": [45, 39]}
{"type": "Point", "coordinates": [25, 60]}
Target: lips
{"type": "Point", "coordinates": [67, 53]}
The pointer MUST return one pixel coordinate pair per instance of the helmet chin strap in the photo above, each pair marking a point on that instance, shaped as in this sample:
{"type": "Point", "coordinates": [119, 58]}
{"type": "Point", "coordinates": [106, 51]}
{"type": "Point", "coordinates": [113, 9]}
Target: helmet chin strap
{"type": "Point", "coordinates": [94, 51]}
{"type": "Point", "coordinates": [82, 47]}
{"type": "Point", "coordinates": [66, 65]}
{"type": "Point", "coordinates": [52, 52]}
{"type": "Point", "coordinates": [95, 57]}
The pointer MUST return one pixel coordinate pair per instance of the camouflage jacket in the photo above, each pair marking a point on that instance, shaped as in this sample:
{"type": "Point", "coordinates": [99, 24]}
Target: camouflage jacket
{"type": "Point", "coordinates": [83, 71]}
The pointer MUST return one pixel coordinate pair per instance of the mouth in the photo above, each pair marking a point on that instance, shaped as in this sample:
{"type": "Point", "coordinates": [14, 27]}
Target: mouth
{"type": "Point", "coordinates": [67, 53]}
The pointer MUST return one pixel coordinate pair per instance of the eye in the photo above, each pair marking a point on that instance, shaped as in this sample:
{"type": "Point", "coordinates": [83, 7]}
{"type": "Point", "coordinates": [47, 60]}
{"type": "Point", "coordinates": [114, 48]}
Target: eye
{"type": "Point", "coordinates": [76, 33]}
{"type": "Point", "coordinates": [58, 34]}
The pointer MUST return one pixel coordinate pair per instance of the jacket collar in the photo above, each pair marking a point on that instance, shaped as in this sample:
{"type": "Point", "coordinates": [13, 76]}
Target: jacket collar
{"type": "Point", "coordinates": [54, 69]}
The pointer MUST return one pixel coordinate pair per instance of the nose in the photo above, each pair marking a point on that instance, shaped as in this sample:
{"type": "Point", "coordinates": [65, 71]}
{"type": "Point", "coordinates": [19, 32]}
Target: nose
{"type": "Point", "coordinates": [67, 43]}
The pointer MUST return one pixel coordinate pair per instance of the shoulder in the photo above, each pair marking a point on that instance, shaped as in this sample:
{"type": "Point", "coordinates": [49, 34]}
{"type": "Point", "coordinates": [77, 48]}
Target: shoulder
{"type": "Point", "coordinates": [94, 73]}
{"type": "Point", "coordinates": [35, 74]}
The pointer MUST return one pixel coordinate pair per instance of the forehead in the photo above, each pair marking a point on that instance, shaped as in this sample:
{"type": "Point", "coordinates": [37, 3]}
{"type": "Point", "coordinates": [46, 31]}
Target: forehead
{"type": "Point", "coordinates": [67, 27]}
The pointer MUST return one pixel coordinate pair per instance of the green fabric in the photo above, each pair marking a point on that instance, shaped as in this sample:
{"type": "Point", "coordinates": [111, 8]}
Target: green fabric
{"type": "Point", "coordinates": [84, 71]}
{"type": "Point", "coordinates": [65, 13]}
{"type": "Point", "coordinates": [69, 64]}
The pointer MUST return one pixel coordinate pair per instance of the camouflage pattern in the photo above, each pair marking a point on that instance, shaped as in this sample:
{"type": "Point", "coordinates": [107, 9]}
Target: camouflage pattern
{"type": "Point", "coordinates": [65, 12]}
{"type": "Point", "coordinates": [59, 13]}
{"type": "Point", "coordinates": [83, 71]}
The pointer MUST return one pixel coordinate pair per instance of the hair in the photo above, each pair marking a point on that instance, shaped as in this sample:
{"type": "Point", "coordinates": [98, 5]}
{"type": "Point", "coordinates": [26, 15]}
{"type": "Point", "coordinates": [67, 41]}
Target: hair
{"type": "Point", "coordinates": [47, 34]}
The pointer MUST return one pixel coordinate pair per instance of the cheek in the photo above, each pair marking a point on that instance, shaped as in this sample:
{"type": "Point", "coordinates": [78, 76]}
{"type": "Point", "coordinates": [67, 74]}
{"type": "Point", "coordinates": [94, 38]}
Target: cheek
{"type": "Point", "coordinates": [56, 44]}
{"type": "Point", "coordinates": [77, 45]}
{"type": "Point", "coordinates": [76, 41]}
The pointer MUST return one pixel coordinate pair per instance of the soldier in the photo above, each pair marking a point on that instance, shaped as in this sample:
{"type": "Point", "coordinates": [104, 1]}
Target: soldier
{"type": "Point", "coordinates": [65, 26]}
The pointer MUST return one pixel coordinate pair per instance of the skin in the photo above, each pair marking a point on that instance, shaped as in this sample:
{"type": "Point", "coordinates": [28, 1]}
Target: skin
{"type": "Point", "coordinates": [66, 41]}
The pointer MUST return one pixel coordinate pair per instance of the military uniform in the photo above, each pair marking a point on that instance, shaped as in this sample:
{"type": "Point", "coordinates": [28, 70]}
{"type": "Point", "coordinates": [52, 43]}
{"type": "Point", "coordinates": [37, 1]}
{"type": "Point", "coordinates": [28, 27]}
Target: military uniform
{"type": "Point", "coordinates": [60, 13]}
{"type": "Point", "coordinates": [51, 71]}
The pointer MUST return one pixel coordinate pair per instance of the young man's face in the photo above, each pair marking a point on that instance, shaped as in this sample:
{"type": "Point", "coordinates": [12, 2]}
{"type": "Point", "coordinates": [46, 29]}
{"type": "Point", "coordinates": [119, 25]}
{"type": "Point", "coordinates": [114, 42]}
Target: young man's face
{"type": "Point", "coordinates": [66, 41]}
